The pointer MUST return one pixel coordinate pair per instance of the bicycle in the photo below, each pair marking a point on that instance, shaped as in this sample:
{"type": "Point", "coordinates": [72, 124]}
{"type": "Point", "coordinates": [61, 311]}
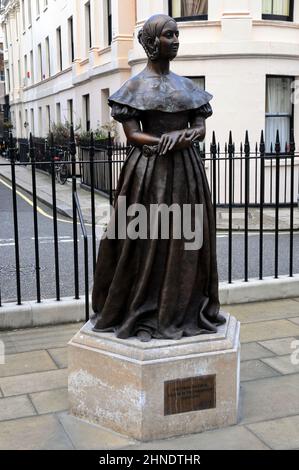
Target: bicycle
{"type": "Point", "coordinates": [61, 169]}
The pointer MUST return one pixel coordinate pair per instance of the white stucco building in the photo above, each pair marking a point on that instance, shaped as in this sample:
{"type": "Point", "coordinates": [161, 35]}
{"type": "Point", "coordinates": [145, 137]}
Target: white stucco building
{"type": "Point", "coordinates": [64, 57]}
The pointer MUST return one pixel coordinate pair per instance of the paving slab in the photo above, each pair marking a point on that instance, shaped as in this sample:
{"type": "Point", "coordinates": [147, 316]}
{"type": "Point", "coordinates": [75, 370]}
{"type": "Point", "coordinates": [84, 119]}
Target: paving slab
{"type": "Point", "coordinates": [255, 369]}
{"type": "Point", "coordinates": [279, 347]}
{"type": "Point", "coordinates": [271, 398]}
{"type": "Point", "coordinates": [261, 311]}
{"type": "Point", "coordinates": [44, 331]}
{"type": "Point", "coordinates": [250, 351]}
{"type": "Point", "coordinates": [279, 434]}
{"type": "Point", "coordinates": [9, 346]}
{"type": "Point", "coordinates": [232, 438]}
{"type": "Point", "coordinates": [37, 382]}
{"type": "Point", "coordinates": [50, 401]}
{"type": "Point", "coordinates": [43, 338]}
{"type": "Point", "coordinates": [15, 407]}
{"type": "Point", "coordinates": [295, 320]}
{"type": "Point", "coordinates": [284, 364]}
{"type": "Point", "coordinates": [24, 363]}
{"type": "Point", "coordinates": [86, 436]}
{"type": "Point", "coordinates": [262, 331]}
{"type": "Point", "coordinates": [59, 356]}
{"type": "Point", "coordinates": [38, 433]}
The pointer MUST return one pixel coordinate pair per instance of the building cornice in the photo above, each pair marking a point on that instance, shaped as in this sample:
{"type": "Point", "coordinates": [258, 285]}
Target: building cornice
{"type": "Point", "coordinates": [189, 24]}
{"type": "Point", "coordinates": [9, 9]}
{"type": "Point", "coordinates": [223, 56]}
{"type": "Point", "coordinates": [276, 24]}
{"type": "Point", "coordinates": [74, 84]}
{"type": "Point", "coordinates": [47, 80]}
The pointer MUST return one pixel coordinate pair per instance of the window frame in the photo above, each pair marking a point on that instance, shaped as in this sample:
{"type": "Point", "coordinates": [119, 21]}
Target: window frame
{"type": "Point", "coordinates": [71, 39]}
{"type": "Point", "coordinates": [86, 111]}
{"type": "Point", "coordinates": [109, 22]}
{"type": "Point", "coordinates": [186, 18]}
{"type": "Point", "coordinates": [202, 150]}
{"type": "Point", "coordinates": [290, 18]}
{"type": "Point", "coordinates": [59, 54]}
{"type": "Point", "coordinates": [292, 118]}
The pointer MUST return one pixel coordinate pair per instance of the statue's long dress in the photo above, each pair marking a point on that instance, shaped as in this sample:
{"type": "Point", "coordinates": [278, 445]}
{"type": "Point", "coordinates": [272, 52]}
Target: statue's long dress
{"type": "Point", "coordinates": [157, 285]}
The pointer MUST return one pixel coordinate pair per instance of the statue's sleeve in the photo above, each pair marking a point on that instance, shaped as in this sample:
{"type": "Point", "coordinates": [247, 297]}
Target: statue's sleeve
{"type": "Point", "coordinates": [204, 111]}
{"type": "Point", "coordinates": [122, 113]}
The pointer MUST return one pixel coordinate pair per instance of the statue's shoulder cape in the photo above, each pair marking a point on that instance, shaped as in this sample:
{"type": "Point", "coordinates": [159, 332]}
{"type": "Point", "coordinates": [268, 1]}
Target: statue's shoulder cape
{"type": "Point", "coordinates": [170, 93]}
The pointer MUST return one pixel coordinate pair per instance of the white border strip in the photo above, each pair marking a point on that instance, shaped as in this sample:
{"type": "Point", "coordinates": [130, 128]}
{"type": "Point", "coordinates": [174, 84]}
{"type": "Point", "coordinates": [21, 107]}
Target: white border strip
{"type": "Point", "coordinates": [69, 310]}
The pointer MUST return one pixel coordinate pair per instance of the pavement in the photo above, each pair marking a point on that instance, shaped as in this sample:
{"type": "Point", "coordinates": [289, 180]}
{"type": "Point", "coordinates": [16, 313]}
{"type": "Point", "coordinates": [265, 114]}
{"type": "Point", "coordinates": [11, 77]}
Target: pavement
{"type": "Point", "coordinates": [64, 203]}
{"type": "Point", "coordinates": [34, 400]}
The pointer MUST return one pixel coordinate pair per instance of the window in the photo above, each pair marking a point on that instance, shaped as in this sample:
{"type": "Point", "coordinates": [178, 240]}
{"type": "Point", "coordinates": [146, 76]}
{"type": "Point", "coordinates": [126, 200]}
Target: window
{"type": "Point", "coordinates": [20, 123]}
{"type": "Point", "coordinates": [88, 38]}
{"type": "Point", "coordinates": [279, 110]}
{"type": "Point", "coordinates": [70, 111]}
{"type": "Point", "coordinates": [32, 127]}
{"type": "Point", "coordinates": [25, 71]}
{"type": "Point", "coordinates": [58, 113]}
{"type": "Point", "coordinates": [26, 121]}
{"type": "Point", "coordinates": [6, 36]}
{"type": "Point", "coordinates": [109, 21]}
{"type": "Point", "coordinates": [48, 57]}
{"type": "Point", "coordinates": [29, 13]}
{"type": "Point", "coordinates": [23, 15]}
{"type": "Point", "coordinates": [31, 67]}
{"type": "Point", "coordinates": [8, 80]}
{"type": "Point", "coordinates": [37, 7]}
{"type": "Point", "coordinates": [185, 10]}
{"type": "Point", "coordinates": [105, 109]}
{"type": "Point", "coordinates": [201, 83]}
{"type": "Point", "coordinates": [278, 10]}
{"type": "Point", "coordinates": [19, 74]}
{"type": "Point", "coordinates": [40, 62]}
{"type": "Point", "coordinates": [59, 49]}
{"type": "Point", "coordinates": [40, 121]}
{"type": "Point", "coordinates": [86, 112]}
{"type": "Point", "coordinates": [12, 77]}
{"type": "Point", "coordinates": [71, 39]}
{"type": "Point", "coordinates": [48, 118]}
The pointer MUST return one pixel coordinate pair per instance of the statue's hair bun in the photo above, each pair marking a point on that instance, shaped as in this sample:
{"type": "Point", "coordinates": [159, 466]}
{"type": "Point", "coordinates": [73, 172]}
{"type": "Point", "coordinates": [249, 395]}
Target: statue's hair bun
{"type": "Point", "coordinates": [140, 33]}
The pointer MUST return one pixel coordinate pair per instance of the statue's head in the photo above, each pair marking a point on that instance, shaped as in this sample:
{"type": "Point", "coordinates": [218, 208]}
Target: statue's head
{"type": "Point", "coordinates": [159, 37]}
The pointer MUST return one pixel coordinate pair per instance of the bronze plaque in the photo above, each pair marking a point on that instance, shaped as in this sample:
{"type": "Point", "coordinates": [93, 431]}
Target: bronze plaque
{"type": "Point", "coordinates": [193, 394]}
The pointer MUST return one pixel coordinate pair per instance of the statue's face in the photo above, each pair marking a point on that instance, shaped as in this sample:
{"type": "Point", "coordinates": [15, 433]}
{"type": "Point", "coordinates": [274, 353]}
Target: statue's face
{"type": "Point", "coordinates": [169, 41]}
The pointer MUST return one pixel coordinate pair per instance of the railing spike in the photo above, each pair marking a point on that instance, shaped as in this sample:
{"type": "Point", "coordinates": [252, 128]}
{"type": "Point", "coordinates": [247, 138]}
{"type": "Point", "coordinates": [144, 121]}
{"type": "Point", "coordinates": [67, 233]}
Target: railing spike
{"type": "Point", "coordinates": [277, 143]}
{"type": "Point", "coordinates": [214, 138]}
{"type": "Point", "coordinates": [292, 142]}
{"type": "Point", "coordinates": [262, 143]}
{"type": "Point", "coordinates": [246, 138]}
{"type": "Point", "coordinates": [247, 145]}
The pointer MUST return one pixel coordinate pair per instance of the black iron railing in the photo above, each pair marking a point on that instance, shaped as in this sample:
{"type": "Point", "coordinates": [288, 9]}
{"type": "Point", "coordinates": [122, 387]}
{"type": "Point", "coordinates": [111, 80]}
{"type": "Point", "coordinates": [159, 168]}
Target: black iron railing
{"type": "Point", "coordinates": [244, 180]}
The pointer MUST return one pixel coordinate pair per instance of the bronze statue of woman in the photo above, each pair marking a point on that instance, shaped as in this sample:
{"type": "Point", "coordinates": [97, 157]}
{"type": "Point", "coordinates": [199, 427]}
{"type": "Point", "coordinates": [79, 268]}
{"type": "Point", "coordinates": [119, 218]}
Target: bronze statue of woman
{"type": "Point", "coordinates": [155, 288]}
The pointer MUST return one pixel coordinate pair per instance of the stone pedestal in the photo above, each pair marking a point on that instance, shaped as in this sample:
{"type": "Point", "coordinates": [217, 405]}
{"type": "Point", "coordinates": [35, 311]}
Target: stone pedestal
{"type": "Point", "coordinates": [159, 389]}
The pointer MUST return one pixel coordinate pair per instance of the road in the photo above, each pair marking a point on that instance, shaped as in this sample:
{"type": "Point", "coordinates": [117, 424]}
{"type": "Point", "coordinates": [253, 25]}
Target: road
{"type": "Point", "coordinates": [46, 243]}
{"type": "Point", "coordinates": [27, 253]}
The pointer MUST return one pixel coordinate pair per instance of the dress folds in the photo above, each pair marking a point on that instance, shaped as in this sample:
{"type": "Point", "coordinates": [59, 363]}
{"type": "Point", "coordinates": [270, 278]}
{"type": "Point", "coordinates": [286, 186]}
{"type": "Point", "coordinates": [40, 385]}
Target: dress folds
{"type": "Point", "coordinates": [156, 285]}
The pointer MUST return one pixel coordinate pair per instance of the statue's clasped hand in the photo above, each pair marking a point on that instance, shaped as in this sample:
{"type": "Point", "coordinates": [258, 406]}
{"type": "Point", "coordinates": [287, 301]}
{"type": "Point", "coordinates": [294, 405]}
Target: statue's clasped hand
{"type": "Point", "coordinates": [176, 140]}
